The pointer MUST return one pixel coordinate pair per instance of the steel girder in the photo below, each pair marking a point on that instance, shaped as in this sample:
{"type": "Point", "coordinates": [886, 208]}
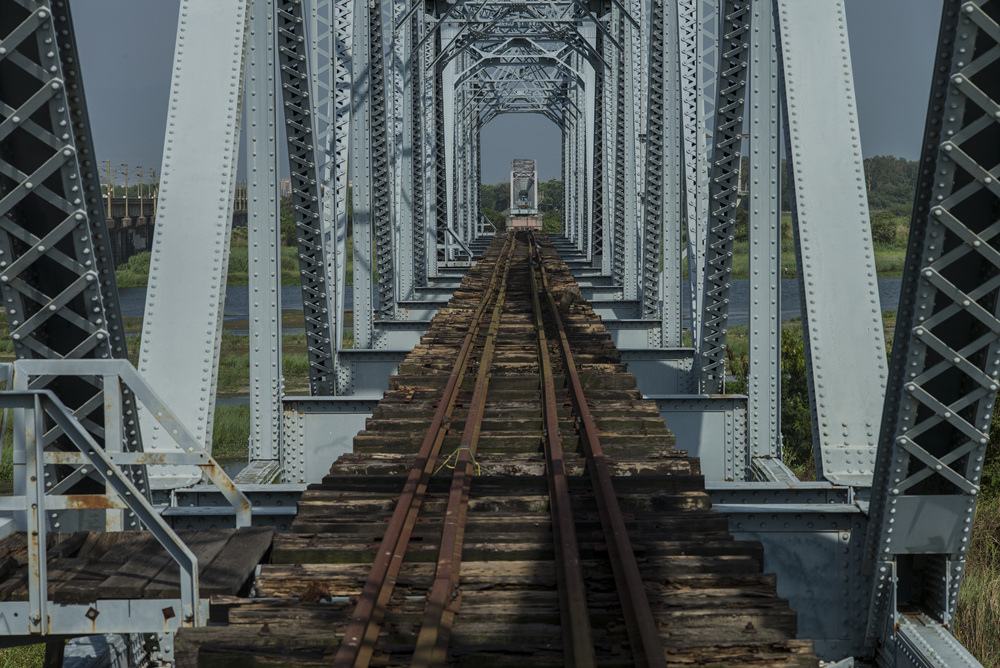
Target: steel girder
{"type": "Point", "coordinates": [57, 274]}
{"type": "Point", "coordinates": [841, 313]}
{"type": "Point", "coordinates": [609, 104]}
{"type": "Point", "coordinates": [442, 188]}
{"type": "Point", "coordinates": [764, 380]}
{"type": "Point", "coordinates": [381, 87]}
{"type": "Point", "coordinates": [625, 258]}
{"type": "Point", "coordinates": [401, 104]}
{"type": "Point", "coordinates": [419, 147]}
{"type": "Point", "coordinates": [943, 373]}
{"type": "Point", "coordinates": [724, 191]}
{"type": "Point", "coordinates": [187, 281]}
{"type": "Point", "coordinates": [598, 193]}
{"type": "Point", "coordinates": [699, 34]}
{"type": "Point", "coordinates": [366, 56]}
{"type": "Point", "coordinates": [317, 299]}
{"type": "Point", "coordinates": [263, 234]}
{"type": "Point", "coordinates": [661, 285]}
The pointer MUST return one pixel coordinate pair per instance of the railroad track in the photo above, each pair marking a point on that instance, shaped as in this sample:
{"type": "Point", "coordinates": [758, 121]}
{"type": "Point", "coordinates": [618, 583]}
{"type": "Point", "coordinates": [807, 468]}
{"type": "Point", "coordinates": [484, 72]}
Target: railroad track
{"type": "Point", "coordinates": [513, 500]}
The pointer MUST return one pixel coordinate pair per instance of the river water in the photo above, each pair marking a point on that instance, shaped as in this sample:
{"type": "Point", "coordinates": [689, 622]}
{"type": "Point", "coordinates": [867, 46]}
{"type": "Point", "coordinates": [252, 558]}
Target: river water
{"type": "Point", "coordinates": [238, 304]}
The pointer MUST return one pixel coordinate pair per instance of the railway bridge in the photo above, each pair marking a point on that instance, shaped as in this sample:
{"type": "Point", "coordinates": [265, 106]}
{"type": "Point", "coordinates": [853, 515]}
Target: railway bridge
{"type": "Point", "coordinates": [522, 456]}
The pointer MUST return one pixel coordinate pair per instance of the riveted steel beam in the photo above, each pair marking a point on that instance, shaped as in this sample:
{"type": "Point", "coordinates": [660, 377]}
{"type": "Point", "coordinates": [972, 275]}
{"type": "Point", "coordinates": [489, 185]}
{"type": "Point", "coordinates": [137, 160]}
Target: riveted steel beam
{"type": "Point", "coordinates": [943, 375]}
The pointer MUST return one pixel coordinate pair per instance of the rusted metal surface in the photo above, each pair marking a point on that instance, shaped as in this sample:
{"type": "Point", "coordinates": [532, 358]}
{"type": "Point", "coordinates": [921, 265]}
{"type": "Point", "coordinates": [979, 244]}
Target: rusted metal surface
{"type": "Point", "coordinates": [518, 547]}
{"type": "Point", "coordinates": [578, 644]}
{"type": "Point", "coordinates": [444, 599]}
{"type": "Point", "coordinates": [643, 634]}
{"type": "Point", "coordinates": [359, 638]}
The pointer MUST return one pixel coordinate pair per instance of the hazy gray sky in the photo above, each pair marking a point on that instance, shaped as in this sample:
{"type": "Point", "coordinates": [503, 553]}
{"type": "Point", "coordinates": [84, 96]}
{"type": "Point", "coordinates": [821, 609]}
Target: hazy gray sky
{"type": "Point", "coordinates": [126, 48]}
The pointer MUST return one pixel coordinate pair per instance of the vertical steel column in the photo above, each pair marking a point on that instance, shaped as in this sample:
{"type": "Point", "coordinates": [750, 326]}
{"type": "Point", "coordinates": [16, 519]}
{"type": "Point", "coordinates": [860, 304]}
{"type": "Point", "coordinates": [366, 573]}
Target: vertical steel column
{"type": "Point", "coordinates": [842, 317]}
{"type": "Point", "coordinates": [591, 140]}
{"type": "Point", "coordinates": [699, 30]}
{"type": "Point", "coordinates": [343, 28]}
{"type": "Point", "coordinates": [944, 373]}
{"type": "Point", "coordinates": [442, 153]}
{"type": "Point", "coordinates": [477, 169]}
{"type": "Point", "coordinates": [462, 154]}
{"type": "Point", "coordinates": [297, 89]}
{"type": "Point", "coordinates": [361, 168]}
{"type": "Point", "coordinates": [420, 147]}
{"type": "Point", "coordinates": [734, 36]}
{"type": "Point", "coordinates": [609, 106]}
{"type": "Point", "coordinates": [626, 145]}
{"type": "Point", "coordinates": [329, 34]}
{"type": "Point", "coordinates": [448, 95]}
{"type": "Point", "coordinates": [639, 51]}
{"type": "Point", "coordinates": [455, 134]}
{"type": "Point", "coordinates": [263, 234]}
{"type": "Point", "coordinates": [182, 326]}
{"type": "Point", "coordinates": [763, 386]}
{"type": "Point", "coordinates": [564, 170]}
{"type": "Point", "coordinates": [580, 147]}
{"type": "Point", "coordinates": [404, 85]}
{"type": "Point", "coordinates": [661, 288]}
{"type": "Point", "coordinates": [598, 168]}
{"type": "Point", "coordinates": [380, 68]}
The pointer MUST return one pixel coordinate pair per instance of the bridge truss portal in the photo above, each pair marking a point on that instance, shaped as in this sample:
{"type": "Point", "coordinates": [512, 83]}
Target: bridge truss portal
{"type": "Point", "coordinates": [671, 111]}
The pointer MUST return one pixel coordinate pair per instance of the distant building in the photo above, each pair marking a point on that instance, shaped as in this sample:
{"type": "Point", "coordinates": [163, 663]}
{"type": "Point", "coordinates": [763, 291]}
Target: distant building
{"type": "Point", "coordinates": [285, 187]}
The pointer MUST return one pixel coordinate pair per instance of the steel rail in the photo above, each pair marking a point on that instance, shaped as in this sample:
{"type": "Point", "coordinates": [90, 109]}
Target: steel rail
{"type": "Point", "coordinates": [444, 597]}
{"type": "Point", "coordinates": [358, 643]}
{"type": "Point", "coordinates": [578, 644]}
{"type": "Point", "coordinates": [644, 637]}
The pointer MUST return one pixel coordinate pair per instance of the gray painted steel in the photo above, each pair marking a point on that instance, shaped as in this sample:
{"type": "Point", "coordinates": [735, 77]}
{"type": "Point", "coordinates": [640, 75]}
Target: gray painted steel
{"type": "Point", "coordinates": [263, 233]}
{"type": "Point", "coordinates": [182, 324]}
{"type": "Point", "coordinates": [57, 276]}
{"type": "Point", "coordinates": [398, 92]}
{"type": "Point", "coordinates": [764, 381]}
{"type": "Point", "coordinates": [944, 369]}
{"type": "Point", "coordinates": [842, 321]}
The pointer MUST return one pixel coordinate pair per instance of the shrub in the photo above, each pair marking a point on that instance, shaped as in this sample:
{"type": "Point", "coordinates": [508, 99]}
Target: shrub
{"type": "Point", "coordinates": [796, 423]}
{"type": "Point", "coordinates": [884, 227]}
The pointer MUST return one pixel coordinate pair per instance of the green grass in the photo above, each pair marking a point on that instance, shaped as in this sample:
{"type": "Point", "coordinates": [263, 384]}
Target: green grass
{"type": "Point", "coordinates": [231, 432]}
{"type": "Point", "coordinates": [134, 273]}
{"type": "Point", "coordinates": [889, 257]}
{"type": "Point", "coordinates": [25, 656]}
{"type": "Point", "coordinates": [977, 619]}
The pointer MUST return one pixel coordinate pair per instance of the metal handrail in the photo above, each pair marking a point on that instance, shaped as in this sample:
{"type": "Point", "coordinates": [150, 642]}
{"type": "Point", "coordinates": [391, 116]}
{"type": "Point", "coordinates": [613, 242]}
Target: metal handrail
{"type": "Point", "coordinates": [36, 503]}
{"type": "Point", "coordinates": [459, 241]}
{"type": "Point", "coordinates": [189, 450]}
{"type": "Point", "coordinates": [482, 229]}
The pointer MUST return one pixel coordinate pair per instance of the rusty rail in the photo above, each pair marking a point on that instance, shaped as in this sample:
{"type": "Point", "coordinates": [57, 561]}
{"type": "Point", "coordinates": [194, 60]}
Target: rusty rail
{"type": "Point", "coordinates": [358, 643]}
{"type": "Point", "coordinates": [644, 638]}
{"type": "Point", "coordinates": [578, 645]}
{"type": "Point", "coordinates": [444, 598]}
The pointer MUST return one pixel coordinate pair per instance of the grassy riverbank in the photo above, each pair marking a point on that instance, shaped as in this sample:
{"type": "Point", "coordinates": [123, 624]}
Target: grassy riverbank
{"type": "Point", "coordinates": [889, 254]}
{"type": "Point", "coordinates": [134, 273]}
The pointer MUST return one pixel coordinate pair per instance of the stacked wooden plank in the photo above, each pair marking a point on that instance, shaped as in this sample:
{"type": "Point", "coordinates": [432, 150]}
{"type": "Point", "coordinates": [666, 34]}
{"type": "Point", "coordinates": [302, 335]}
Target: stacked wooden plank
{"type": "Point", "coordinates": [88, 566]}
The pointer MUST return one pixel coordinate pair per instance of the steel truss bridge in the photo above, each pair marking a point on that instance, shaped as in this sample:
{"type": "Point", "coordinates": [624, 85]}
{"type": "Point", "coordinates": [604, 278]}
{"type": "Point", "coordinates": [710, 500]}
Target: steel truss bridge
{"type": "Point", "coordinates": [658, 103]}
